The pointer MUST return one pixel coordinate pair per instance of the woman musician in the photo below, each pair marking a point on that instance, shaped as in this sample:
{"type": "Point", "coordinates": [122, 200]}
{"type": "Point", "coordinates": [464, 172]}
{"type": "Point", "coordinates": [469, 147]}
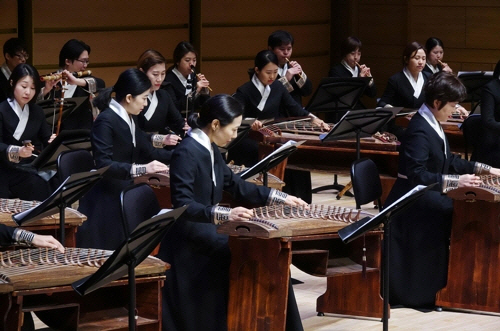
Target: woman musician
{"type": "Point", "coordinates": [197, 287]}
{"type": "Point", "coordinates": [435, 53]}
{"type": "Point", "coordinates": [263, 97]}
{"type": "Point", "coordinates": [188, 90]}
{"type": "Point", "coordinates": [160, 116]}
{"type": "Point", "coordinates": [118, 143]}
{"type": "Point", "coordinates": [420, 234]}
{"type": "Point", "coordinates": [24, 132]}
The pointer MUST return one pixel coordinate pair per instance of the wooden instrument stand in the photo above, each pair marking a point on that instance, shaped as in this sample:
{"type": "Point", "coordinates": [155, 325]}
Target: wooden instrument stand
{"type": "Point", "coordinates": [260, 272]}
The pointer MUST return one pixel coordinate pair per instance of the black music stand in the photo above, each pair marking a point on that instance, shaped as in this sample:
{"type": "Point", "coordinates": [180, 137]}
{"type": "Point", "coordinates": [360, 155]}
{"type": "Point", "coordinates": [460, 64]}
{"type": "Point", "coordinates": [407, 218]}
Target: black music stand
{"type": "Point", "coordinates": [72, 189]}
{"type": "Point", "coordinates": [357, 123]}
{"type": "Point", "coordinates": [473, 82]}
{"type": "Point", "coordinates": [145, 237]}
{"type": "Point", "coordinates": [335, 94]}
{"type": "Point", "coordinates": [357, 229]}
{"type": "Point", "coordinates": [71, 106]}
{"type": "Point", "coordinates": [271, 161]}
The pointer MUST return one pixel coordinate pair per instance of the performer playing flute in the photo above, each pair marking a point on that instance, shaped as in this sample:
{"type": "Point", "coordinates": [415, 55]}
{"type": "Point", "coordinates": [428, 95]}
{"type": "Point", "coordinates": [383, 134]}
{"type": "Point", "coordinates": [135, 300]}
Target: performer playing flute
{"type": "Point", "coordinates": [435, 52]}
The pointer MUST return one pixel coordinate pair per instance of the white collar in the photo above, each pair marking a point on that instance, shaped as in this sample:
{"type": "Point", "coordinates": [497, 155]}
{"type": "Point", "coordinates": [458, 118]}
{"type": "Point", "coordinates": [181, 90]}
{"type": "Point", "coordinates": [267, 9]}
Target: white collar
{"type": "Point", "coordinates": [17, 107]}
{"type": "Point", "coordinates": [433, 122]}
{"type": "Point", "coordinates": [434, 69]}
{"type": "Point", "coordinates": [23, 115]}
{"type": "Point", "coordinates": [354, 71]}
{"type": "Point", "coordinates": [202, 138]}
{"type": "Point", "coordinates": [264, 91]}
{"type": "Point", "coordinates": [120, 111]}
{"type": "Point", "coordinates": [183, 80]}
{"type": "Point", "coordinates": [258, 84]}
{"type": "Point", "coordinates": [417, 85]}
{"type": "Point", "coordinates": [153, 103]}
{"type": "Point", "coordinates": [282, 71]}
{"type": "Point", "coordinates": [6, 71]}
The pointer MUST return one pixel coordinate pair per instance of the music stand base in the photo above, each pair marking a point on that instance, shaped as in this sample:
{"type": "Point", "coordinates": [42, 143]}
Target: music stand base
{"type": "Point", "coordinates": [335, 186]}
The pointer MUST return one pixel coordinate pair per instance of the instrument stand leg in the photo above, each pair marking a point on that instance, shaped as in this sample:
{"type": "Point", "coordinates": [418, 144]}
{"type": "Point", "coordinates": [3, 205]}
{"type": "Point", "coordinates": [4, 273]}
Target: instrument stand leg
{"type": "Point", "coordinates": [335, 186]}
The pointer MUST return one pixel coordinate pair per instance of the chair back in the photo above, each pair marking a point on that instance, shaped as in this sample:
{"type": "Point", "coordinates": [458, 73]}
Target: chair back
{"type": "Point", "coordinates": [365, 182]}
{"type": "Point", "coordinates": [74, 161]}
{"type": "Point", "coordinates": [473, 135]}
{"type": "Point", "coordinates": [139, 203]}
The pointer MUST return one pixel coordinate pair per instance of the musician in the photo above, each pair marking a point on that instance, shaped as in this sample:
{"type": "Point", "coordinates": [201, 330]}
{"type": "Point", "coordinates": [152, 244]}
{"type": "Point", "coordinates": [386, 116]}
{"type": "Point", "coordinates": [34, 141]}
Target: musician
{"type": "Point", "coordinates": [263, 97]}
{"type": "Point", "coordinates": [15, 52]}
{"type": "Point", "coordinates": [119, 143]}
{"type": "Point", "coordinates": [420, 234]}
{"type": "Point", "coordinates": [435, 53]}
{"type": "Point", "coordinates": [10, 236]}
{"type": "Point", "coordinates": [290, 73]}
{"type": "Point", "coordinates": [74, 57]}
{"type": "Point", "coordinates": [160, 115]}
{"type": "Point", "coordinates": [490, 118]}
{"type": "Point", "coordinates": [350, 66]}
{"type": "Point", "coordinates": [196, 289]}
{"type": "Point", "coordinates": [23, 134]}
{"type": "Point", "coordinates": [182, 83]}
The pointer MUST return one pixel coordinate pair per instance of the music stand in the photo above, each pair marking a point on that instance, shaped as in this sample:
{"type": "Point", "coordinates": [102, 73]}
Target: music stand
{"type": "Point", "coordinates": [357, 123]}
{"type": "Point", "coordinates": [141, 242]}
{"type": "Point", "coordinates": [71, 189]}
{"type": "Point", "coordinates": [335, 94]}
{"type": "Point", "coordinates": [270, 161]}
{"type": "Point", "coordinates": [357, 229]}
{"type": "Point", "coordinates": [71, 106]}
{"type": "Point", "coordinates": [473, 82]}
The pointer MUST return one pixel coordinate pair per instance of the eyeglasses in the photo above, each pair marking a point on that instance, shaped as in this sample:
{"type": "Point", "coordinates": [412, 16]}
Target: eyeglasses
{"type": "Point", "coordinates": [22, 56]}
{"type": "Point", "coordinates": [84, 61]}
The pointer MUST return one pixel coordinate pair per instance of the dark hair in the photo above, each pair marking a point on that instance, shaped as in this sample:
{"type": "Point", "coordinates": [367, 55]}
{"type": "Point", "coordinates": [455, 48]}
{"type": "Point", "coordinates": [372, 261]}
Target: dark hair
{"type": "Point", "coordinates": [496, 72]}
{"type": "Point", "coordinates": [278, 38]}
{"type": "Point", "coordinates": [20, 71]}
{"type": "Point", "coordinates": [72, 51]}
{"type": "Point", "coordinates": [264, 57]}
{"type": "Point", "coordinates": [149, 59]}
{"type": "Point", "coordinates": [222, 107]}
{"type": "Point", "coordinates": [14, 45]}
{"type": "Point", "coordinates": [445, 87]}
{"type": "Point", "coordinates": [411, 48]}
{"type": "Point", "coordinates": [182, 49]}
{"type": "Point", "coordinates": [431, 43]}
{"type": "Point", "coordinates": [131, 81]}
{"type": "Point", "coordinates": [349, 45]}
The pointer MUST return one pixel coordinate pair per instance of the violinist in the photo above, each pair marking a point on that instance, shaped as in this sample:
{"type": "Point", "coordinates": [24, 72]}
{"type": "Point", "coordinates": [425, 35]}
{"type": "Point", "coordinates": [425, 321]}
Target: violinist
{"type": "Point", "coordinates": [188, 90]}
{"type": "Point", "coordinates": [23, 134]}
{"type": "Point", "coordinates": [74, 57]}
{"type": "Point", "coordinates": [160, 118]}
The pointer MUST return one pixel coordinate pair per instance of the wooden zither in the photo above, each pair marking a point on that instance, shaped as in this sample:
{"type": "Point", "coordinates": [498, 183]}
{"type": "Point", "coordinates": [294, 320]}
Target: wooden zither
{"type": "Point", "coordinates": [288, 221]}
{"type": "Point", "coordinates": [39, 281]}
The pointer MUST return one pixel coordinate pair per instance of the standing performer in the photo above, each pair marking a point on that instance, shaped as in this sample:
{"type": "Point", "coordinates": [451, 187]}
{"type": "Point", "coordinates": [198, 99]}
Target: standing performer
{"type": "Point", "coordinates": [350, 66]}
{"type": "Point", "coordinates": [196, 289]}
{"type": "Point", "coordinates": [182, 83]}
{"type": "Point", "coordinates": [264, 97]}
{"type": "Point", "coordinates": [490, 117]}
{"type": "Point", "coordinates": [290, 73]}
{"type": "Point", "coordinates": [117, 142]}
{"type": "Point", "coordinates": [159, 117]}
{"type": "Point", "coordinates": [420, 235]}
{"type": "Point", "coordinates": [74, 57]}
{"type": "Point", "coordinates": [23, 134]}
{"type": "Point", "coordinates": [15, 52]}
{"type": "Point", "coordinates": [435, 53]}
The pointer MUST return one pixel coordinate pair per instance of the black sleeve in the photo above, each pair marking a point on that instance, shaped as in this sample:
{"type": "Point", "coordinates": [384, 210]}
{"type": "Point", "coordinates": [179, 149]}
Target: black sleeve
{"type": "Point", "coordinates": [488, 106]}
{"type": "Point", "coordinates": [6, 233]}
{"type": "Point", "coordinates": [290, 105]}
{"type": "Point", "coordinates": [389, 95]}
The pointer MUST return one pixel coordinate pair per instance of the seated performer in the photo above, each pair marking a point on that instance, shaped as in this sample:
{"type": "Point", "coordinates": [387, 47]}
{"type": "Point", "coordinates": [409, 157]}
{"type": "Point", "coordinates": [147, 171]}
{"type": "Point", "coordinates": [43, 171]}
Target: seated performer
{"type": "Point", "coordinates": [263, 97]}
{"type": "Point", "coordinates": [74, 57]}
{"type": "Point", "coordinates": [23, 134]}
{"type": "Point", "coordinates": [290, 73]}
{"type": "Point", "coordinates": [159, 117]}
{"type": "Point", "coordinates": [118, 143]}
{"type": "Point", "coordinates": [420, 235]}
{"type": "Point", "coordinates": [349, 66]}
{"type": "Point", "coordinates": [196, 289]}
{"type": "Point", "coordinates": [435, 53]}
{"type": "Point", "coordinates": [181, 82]}
{"type": "Point", "coordinates": [14, 52]}
{"type": "Point", "coordinates": [11, 236]}
{"type": "Point", "coordinates": [490, 118]}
